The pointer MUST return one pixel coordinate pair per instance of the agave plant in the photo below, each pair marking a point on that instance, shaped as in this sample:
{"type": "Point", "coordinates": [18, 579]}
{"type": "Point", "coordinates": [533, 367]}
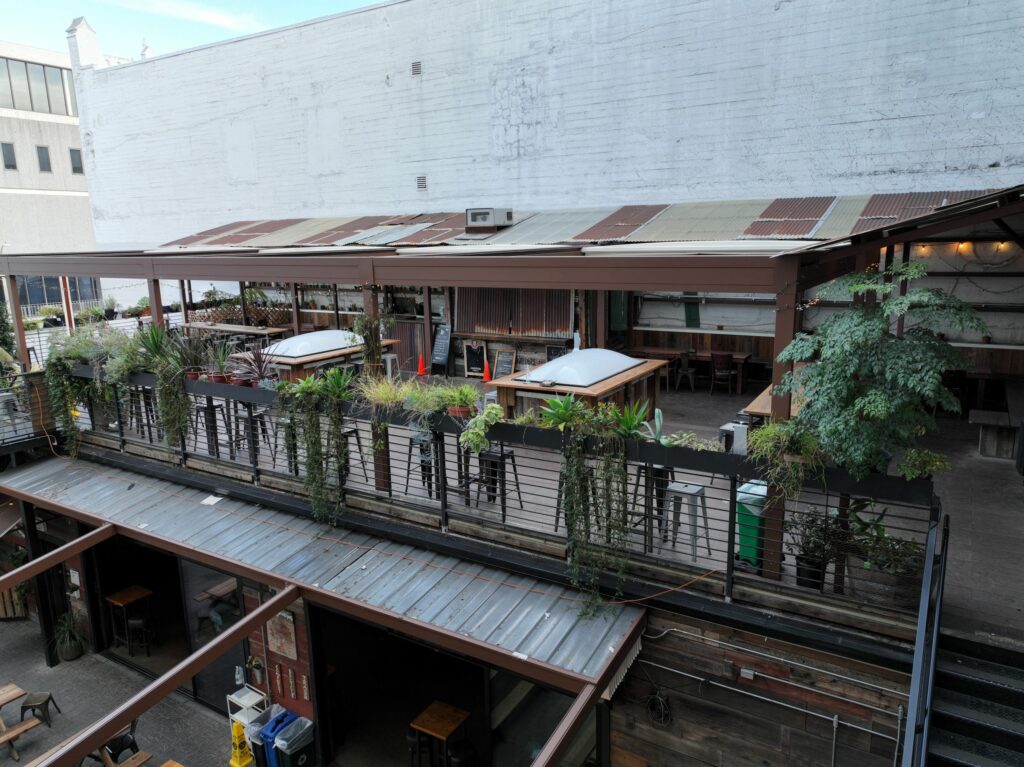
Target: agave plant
{"type": "Point", "coordinates": [654, 434]}
{"type": "Point", "coordinates": [631, 420]}
{"type": "Point", "coordinates": [562, 412]}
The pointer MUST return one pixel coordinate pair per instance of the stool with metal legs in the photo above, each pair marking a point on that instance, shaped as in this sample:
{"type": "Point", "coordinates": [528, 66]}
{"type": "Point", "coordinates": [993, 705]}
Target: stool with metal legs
{"type": "Point", "coordinates": [424, 442]}
{"type": "Point", "coordinates": [656, 478]}
{"type": "Point", "coordinates": [493, 476]}
{"type": "Point", "coordinates": [677, 492]}
{"type": "Point", "coordinates": [350, 433]}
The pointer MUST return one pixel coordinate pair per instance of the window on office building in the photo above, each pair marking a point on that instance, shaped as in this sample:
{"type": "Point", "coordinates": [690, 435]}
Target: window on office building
{"type": "Point", "coordinates": [43, 152]}
{"type": "Point", "coordinates": [36, 87]}
{"type": "Point", "coordinates": [8, 152]}
{"type": "Point", "coordinates": [76, 161]}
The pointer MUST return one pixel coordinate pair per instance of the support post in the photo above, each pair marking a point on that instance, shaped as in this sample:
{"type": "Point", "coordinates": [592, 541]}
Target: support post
{"type": "Point", "coordinates": [65, 298]}
{"type": "Point", "coordinates": [295, 308]}
{"type": "Point", "coordinates": [184, 301]}
{"type": "Point", "coordinates": [38, 565]}
{"type": "Point", "coordinates": [241, 303]}
{"type": "Point", "coordinates": [44, 603]}
{"type": "Point", "coordinates": [787, 323]}
{"type": "Point", "coordinates": [601, 319]}
{"type": "Point", "coordinates": [18, 320]}
{"type": "Point", "coordinates": [156, 303]}
{"type": "Point", "coordinates": [905, 252]}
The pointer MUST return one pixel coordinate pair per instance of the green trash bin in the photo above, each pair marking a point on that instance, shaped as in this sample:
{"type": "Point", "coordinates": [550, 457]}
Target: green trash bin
{"type": "Point", "coordinates": [296, 745]}
{"type": "Point", "coordinates": [750, 501]}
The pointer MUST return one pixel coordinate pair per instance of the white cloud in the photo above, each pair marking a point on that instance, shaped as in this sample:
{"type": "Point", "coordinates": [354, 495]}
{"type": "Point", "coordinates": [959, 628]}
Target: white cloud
{"type": "Point", "coordinates": [190, 11]}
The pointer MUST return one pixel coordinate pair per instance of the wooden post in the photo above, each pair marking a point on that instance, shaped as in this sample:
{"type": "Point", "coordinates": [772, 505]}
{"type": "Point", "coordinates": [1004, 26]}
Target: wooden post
{"type": "Point", "coordinates": [582, 306]}
{"type": "Point", "coordinates": [787, 323]}
{"type": "Point", "coordinates": [241, 303]}
{"type": "Point", "coordinates": [601, 319]}
{"type": "Point", "coordinates": [44, 595]}
{"type": "Point", "coordinates": [184, 301]}
{"type": "Point", "coordinates": [905, 253]}
{"type": "Point", "coordinates": [296, 326]}
{"type": "Point", "coordinates": [428, 328]}
{"type": "Point", "coordinates": [65, 298]}
{"type": "Point", "coordinates": [14, 303]}
{"type": "Point", "coordinates": [156, 303]}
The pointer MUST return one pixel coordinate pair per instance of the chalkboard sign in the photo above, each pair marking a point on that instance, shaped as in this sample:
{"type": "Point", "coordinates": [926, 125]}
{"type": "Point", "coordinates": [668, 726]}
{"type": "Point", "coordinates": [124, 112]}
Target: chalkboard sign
{"type": "Point", "coordinates": [442, 347]}
{"type": "Point", "coordinates": [554, 352]}
{"type": "Point", "coordinates": [474, 354]}
{"type": "Point", "coordinates": [504, 364]}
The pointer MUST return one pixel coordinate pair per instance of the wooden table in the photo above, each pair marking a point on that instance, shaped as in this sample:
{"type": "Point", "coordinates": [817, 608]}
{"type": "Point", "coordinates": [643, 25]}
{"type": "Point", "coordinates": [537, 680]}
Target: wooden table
{"type": "Point", "coordinates": [241, 330]}
{"type": "Point", "coordinates": [762, 404]}
{"type": "Point", "coordinates": [9, 693]}
{"type": "Point", "coordinates": [623, 388]}
{"type": "Point", "coordinates": [438, 721]}
{"type": "Point", "coordinates": [673, 356]}
{"type": "Point", "coordinates": [294, 369]}
{"type": "Point", "coordinates": [122, 600]}
{"type": "Point", "coordinates": [739, 359]}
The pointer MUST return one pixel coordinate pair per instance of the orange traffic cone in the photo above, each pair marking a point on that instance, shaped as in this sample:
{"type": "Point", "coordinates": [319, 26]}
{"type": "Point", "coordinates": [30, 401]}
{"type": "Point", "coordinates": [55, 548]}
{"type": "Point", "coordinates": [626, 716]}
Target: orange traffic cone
{"type": "Point", "coordinates": [422, 369]}
{"type": "Point", "coordinates": [487, 370]}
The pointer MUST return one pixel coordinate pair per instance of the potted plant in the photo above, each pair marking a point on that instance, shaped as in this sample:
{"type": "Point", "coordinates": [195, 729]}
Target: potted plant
{"type": "Point", "coordinates": [109, 307]}
{"type": "Point", "coordinates": [255, 369]}
{"type": "Point", "coordinates": [52, 317]}
{"type": "Point", "coordinates": [881, 567]}
{"type": "Point", "coordinates": [812, 539]}
{"type": "Point", "coordinates": [787, 454]}
{"type": "Point", "coordinates": [461, 400]}
{"type": "Point", "coordinates": [220, 354]}
{"type": "Point", "coordinates": [190, 354]}
{"type": "Point", "coordinates": [67, 637]}
{"type": "Point", "coordinates": [255, 666]}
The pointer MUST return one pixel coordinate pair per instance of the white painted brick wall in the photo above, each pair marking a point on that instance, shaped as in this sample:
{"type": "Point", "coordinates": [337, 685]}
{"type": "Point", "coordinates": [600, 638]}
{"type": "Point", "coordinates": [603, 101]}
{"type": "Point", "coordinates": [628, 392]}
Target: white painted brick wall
{"type": "Point", "coordinates": [529, 105]}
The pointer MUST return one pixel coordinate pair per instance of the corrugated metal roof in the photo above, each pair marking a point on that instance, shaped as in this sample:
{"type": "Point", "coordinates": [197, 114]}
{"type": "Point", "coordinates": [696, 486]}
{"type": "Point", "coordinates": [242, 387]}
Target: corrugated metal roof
{"type": "Point", "coordinates": [842, 218]}
{"type": "Point", "coordinates": [620, 224]}
{"type": "Point", "coordinates": [790, 217]}
{"type": "Point", "coordinates": [382, 235]}
{"type": "Point", "coordinates": [885, 209]}
{"type": "Point", "coordinates": [519, 614]}
{"type": "Point", "coordinates": [298, 232]}
{"type": "Point", "coordinates": [551, 226]}
{"type": "Point", "coordinates": [722, 220]}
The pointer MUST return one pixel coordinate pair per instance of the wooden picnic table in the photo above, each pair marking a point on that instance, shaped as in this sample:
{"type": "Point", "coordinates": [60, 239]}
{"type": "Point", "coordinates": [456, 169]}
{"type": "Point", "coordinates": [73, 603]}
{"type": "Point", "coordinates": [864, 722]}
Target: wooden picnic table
{"type": "Point", "coordinates": [762, 404]}
{"type": "Point", "coordinates": [241, 330]}
{"type": "Point", "coordinates": [294, 369]}
{"type": "Point", "coordinates": [9, 693]}
{"type": "Point", "coordinates": [637, 384]}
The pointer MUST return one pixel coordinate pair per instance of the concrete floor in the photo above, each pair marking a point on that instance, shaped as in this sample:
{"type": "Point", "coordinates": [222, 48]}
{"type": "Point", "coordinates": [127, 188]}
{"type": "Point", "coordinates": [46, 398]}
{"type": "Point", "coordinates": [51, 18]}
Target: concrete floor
{"type": "Point", "coordinates": [90, 687]}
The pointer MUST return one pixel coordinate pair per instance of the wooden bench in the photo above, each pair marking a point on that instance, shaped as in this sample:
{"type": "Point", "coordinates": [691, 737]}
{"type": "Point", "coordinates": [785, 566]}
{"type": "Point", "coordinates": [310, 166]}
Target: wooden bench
{"type": "Point", "coordinates": [136, 759]}
{"type": "Point", "coordinates": [8, 735]}
{"type": "Point", "coordinates": [995, 435]}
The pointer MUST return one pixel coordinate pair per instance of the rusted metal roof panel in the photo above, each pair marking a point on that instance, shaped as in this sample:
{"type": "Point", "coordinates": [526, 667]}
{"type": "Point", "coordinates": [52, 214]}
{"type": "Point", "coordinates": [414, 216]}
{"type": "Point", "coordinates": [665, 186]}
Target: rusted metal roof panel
{"type": "Point", "coordinates": [210, 233]}
{"type": "Point", "coordinates": [439, 231]}
{"type": "Point", "coordinates": [797, 207]}
{"type": "Point", "coordinates": [230, 239]}
{"type": "Point", "coordinates": [549, 226]}
{"type": "Point", "coordinates": [266, 227]}
{"type": "Point", "coordinates": [620, 224]}
{"type": "Point", "coordinates": [722, 220]}
{"type": "Point", "coordinates": [781, 228]}
{"type": "Point", "coordinates": [534, 621]}
{"type": "Point", "coordinates": [296, 233]}
{"type": "Point", "coordinates": [340, 232]}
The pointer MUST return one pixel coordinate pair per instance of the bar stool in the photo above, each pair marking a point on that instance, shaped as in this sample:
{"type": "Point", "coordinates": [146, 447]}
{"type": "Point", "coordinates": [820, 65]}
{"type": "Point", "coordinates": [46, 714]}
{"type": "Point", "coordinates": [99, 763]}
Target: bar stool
{"type": "Point", "coordinates": [424, 442]}
{"type": "Point", "coordinates": [492, 474]}
{"type": "Point", "coordinates": [391, 368]}
{"type": "Point", "coordinates": [660, 477]}
{"type": "Point", "coordinates": [39, 703]}
{"type": "Point", "coordinates": [349, 434]}
{"type": "Point", "coordinates": [677, 492]}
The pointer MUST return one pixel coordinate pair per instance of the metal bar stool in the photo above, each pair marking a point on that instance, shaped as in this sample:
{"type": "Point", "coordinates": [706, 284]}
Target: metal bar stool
{"type": "Point", "coordinates": [423, 441]}
{"type": "Point", "coordinates": [656, 479]}
{"type": "Point", "coordinates": [391, 368]}
{"type": "Point", "coordinates": [677, 492]}
{"type": "Point", "coordinates": [493, 476]}
{"type": "Point", "coordinates": [350, 433]}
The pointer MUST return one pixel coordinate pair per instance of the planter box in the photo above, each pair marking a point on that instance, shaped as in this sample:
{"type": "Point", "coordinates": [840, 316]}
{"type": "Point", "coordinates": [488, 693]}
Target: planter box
{"type": "Point", "coordinates": [877, 586]}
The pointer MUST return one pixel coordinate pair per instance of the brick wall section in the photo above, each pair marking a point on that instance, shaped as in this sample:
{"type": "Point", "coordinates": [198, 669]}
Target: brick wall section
{"type": "Point", "coordinates": [713, 726]}
{"type": "Point", "coordinates": [276, 679]}
{"type": "Point", "coordinates": [533, 104]}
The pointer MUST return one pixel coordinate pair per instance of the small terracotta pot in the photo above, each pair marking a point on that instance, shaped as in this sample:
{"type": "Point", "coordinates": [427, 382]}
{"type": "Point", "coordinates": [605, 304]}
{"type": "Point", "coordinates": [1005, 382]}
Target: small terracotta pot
{"type": "Point", "coordinates": [241, 381]}
{"type": "Point", "coordinates": [192, 375]}
{"type": "Point", "coordinates": [461, 411]}
{"type": "Point", "coordinates": [218, 378]}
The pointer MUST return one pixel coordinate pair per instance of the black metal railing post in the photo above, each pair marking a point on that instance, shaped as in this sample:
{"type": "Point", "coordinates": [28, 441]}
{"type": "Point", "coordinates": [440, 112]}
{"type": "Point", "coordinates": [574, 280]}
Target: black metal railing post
{"type": "Point", "coordinates": [442, 477]}
{"type": "Point", "coordinates": [119, 414]}
{"type": "Point", "coordinates": [730, 546]}
{"type": "Point", "coordinates": [252, 440]}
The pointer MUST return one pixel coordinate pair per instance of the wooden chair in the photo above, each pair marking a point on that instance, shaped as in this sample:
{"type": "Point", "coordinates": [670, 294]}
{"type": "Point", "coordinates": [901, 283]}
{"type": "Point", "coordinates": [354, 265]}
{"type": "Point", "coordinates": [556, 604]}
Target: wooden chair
{"type": "Point", "coordinates": [686, 369]}
{"type": "Point", "coordinates": [721, 370]}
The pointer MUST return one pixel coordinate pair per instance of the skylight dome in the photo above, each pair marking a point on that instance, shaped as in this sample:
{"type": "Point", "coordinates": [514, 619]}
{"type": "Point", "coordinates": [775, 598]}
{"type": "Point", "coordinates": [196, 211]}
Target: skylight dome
{"type": "Point", "coordinates": [582, 367]}
{"type": "Point", "coordinates": [317, 342]}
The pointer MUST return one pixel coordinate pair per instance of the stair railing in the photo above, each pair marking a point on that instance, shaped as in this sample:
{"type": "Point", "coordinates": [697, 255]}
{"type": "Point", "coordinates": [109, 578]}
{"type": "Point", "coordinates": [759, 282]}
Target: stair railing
{"type": "Point", "coordinates": [926, 645]}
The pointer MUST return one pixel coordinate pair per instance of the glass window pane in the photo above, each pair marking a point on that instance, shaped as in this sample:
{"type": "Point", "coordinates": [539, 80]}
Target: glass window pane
{"type": "Point", "coordinates": [19, 84]}
{"type": "Point", "coordinates": [73, 288]}
{"type": "Point", "coordinates": [37, 86]}
{"type": "Point", "coordinates": [22, 292]}
{"type": "Point", "coordinates": [35, 290]}
{"type": "Point", "coordinates": [76, 161]}
{"type": "Point", "coordinates": [51, 286]}
{"type": "Point", "coordinates": [6, 99]}
{"type": "Point", "coordinates": [55, 89]}
{"type": "Point", "coordinates": [69, 88]}
{"type": "Point", "coordinates": [44, 158]}
{"type": "Point", "coordinates": [87, 288]}
{"type": "Point", "coordinates": [8, 152]}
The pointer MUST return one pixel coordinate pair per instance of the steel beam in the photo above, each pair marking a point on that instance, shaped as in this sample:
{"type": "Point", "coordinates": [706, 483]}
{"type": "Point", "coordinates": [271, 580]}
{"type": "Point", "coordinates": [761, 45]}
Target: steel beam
{"type": "Point", "coordinates": [40, 565]}
{"type": "Point", "coordinates": [571, 723]}
{"type": "Point", "coordinates": [94, 737]}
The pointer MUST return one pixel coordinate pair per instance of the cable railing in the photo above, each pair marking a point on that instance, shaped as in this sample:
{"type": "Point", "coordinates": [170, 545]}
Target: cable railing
{"type": "Point", "coordinates": [659, 513]}
{"type": "Point", "coordinates": [24, 409]}
{"type": "Point", "coordinates": [929, 620]}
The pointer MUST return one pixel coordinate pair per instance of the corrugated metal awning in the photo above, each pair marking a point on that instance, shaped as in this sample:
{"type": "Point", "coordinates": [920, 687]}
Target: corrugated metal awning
{"type": "Point", "coordinates": [512, 621]}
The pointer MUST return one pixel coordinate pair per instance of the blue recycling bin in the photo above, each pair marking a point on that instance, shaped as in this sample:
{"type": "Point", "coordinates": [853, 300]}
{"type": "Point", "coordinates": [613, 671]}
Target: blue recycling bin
{"type": "Point", "coordinates": [269, 734]}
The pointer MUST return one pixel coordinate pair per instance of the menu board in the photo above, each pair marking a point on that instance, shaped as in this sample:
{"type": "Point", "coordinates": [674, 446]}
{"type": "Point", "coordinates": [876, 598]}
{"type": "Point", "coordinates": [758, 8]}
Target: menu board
{"type": "Point", "coordinates": [475, 352]}
{"type": "Point", "coordinates": [442, 347]}
{"type": "Point", "coordinates": [504, 363]}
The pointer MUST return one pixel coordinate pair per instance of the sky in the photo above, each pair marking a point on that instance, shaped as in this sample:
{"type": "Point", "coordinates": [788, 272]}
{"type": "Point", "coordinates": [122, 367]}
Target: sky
{"type": "Point", "coordinates": [165, 25]}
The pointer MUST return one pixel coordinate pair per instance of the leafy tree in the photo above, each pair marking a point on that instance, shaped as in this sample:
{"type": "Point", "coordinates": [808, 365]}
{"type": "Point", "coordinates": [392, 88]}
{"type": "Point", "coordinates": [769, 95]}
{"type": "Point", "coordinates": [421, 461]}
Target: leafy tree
{"type": "Point", "coordinates": [867, 393]}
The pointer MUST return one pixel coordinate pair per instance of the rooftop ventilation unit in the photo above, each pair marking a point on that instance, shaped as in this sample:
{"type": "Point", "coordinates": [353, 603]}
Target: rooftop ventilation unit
{"type": "Point", "coordinates": [488, 218]}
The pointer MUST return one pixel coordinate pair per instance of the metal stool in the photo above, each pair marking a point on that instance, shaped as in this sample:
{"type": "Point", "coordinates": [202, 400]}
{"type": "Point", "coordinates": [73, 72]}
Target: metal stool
{"type": "Point", "coordinates": [391, 368]}
{"type": "Point", "coordinates": [677, 492]}
{"type": "Point", "coordinates": [659, 477]}
{"type": "Point", "coordinates": [39, 703]}
{"type": "Point", "coordinates": [492, 475]}
{"type": "Point", "coordinates": [424, 442]}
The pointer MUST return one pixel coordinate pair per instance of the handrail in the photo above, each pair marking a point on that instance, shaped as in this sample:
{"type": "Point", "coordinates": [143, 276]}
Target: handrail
{"type": "Point", "coordinates": [922, 682]}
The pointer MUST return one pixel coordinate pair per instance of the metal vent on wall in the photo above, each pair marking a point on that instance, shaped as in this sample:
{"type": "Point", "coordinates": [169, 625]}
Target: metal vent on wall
{"type": "Point", "coordinates": [417, 68]}
{"type": "Point", "coordinates": [421, 182]}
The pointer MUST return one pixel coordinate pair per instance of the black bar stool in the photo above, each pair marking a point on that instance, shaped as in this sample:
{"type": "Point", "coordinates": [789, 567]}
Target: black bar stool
{"type": "Point", "coordinates": [493, 476]}
{"type": "Point", "coordinates": [424, 442]}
